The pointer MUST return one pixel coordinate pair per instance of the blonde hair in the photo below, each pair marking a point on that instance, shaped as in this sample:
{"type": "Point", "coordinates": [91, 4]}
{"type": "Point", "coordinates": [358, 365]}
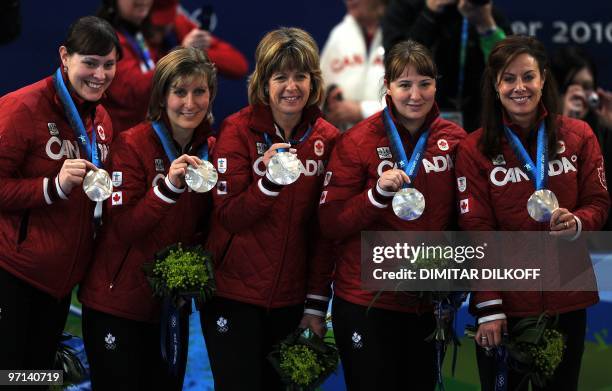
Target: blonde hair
{"type": "Point", "coordinates": [179, 65]}
{"type": "Point", "coordinates": [288, 48]}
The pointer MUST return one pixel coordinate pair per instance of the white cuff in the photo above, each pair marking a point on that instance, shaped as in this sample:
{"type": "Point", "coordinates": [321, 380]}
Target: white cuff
{"type": "Point", "coordinates": [266, 191]}
{"type": "Point", "coordinates": [172, 187]}
{"type": "Point", "coordinates": [578, 229]}
{"type": "Point", "coordinates": [489, 303]}
{"type": "Point", "coordinates": [46, 192]}
{"type": "Point", "coordinates": [317, 297]}
{"type": "Point", "coordinates": [163, 197]}
{"type": "Point", "coordinates": [384, 192]}
{"type": "Point", "coordinates": [490, 318]}
{"type": "Point", "coordinates": [60, 193]}
{"type": "Point", "coordinates": [374, 202]}
{"type": "Point", "coordinates": [315, 312]}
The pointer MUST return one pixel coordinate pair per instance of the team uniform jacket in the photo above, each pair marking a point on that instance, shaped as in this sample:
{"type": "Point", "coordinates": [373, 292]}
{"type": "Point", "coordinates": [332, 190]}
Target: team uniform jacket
{"type": "Point", "coordinates": [146, 214]}
{"type": "Point", "coordinates": [495, 195]}
{"type": "Point", "coordinates": [352, 202]}
{"type": "Point", "coordinates": [128, 95]}
{"type": "Point", "coordinates": [46, 237]}
{"type": "Point", "coordinates": [263, 237]}
{"type": "Point", "coordinates": [348, 62]}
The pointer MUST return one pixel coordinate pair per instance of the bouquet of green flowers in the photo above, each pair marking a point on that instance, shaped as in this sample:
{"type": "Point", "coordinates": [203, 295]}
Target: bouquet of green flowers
{"type": "Point", "coordinates": [179, 271]}
{"type": "Point", "coordinates": [304, 360]}
{"type": "Point", "coordinates": [535, 348]}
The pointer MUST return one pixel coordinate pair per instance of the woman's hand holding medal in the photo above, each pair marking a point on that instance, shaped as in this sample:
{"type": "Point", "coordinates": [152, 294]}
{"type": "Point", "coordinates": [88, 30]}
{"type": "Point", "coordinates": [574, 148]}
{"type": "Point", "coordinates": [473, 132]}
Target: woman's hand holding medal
{"type": "Point", "coordinates": [178, 169]}
{"type": "Point", "coordinates": [273, 150]}
{"type": "Point", "coordinates": [72, 173]}
{"type": "Point", "coordinates": [282, 164]}
{"type": "Point", "coordinates": [489, 334]}
{"type": "Point", "coordinates": [563, 223]}
{"type": "Point", "coordinates": [393, 180]}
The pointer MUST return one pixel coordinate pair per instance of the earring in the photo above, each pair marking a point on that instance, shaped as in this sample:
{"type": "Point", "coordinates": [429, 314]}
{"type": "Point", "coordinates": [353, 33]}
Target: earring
{"type": "Point", "coordinates": [266, 92]}
{"type": "Point", "coordinates": [65, 69]}
{"type": "Point", "coordinates": [497, 93]}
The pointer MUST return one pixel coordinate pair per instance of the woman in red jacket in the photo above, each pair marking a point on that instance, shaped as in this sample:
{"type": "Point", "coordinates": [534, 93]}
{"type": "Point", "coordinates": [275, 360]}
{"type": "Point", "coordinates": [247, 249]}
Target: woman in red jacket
{"type": "Point", "coordinates": [149, 210]}
{"type": "Point", "coordinates": [52, 133]}
{"type": "Point", "coordinates": [520, 123]}
{"type": "Point", "coordinates": [384, 347]}
{"type": "Point", "coordinates": [263, 236]}
{"type": "Point", "coordinates": [127, 99]}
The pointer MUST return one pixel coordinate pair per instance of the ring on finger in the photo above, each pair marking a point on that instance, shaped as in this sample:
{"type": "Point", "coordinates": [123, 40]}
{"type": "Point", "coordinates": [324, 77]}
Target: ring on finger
{"type": "Point", "coordinates": [566, 225]}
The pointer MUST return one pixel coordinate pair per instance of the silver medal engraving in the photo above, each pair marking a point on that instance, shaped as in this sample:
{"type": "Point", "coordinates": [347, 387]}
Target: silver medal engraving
{"type": "Point", "coordinates": [202, 178]}
{"type": "Point", "coordinates": [284, 168]}
{"type": "Point", "coordinates": [541, 205]}
{"type": "Point", "coordinates": [97, 185]}
{"type": "Point", "coordinates": [408, 204]}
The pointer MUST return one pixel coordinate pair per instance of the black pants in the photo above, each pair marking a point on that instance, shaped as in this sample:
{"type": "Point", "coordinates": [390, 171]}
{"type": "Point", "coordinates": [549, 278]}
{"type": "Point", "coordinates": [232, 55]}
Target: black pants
{"type": "Point", "coordinates": [565, 378]}
{"type": "Point", "coordinates": [239, 336]}
{"type": "Point", "coordinates": [382, 349]}
{"type": "Point", "coordinates": [31, 324]}
{"type": "Point", "coordinates": [125, 354]}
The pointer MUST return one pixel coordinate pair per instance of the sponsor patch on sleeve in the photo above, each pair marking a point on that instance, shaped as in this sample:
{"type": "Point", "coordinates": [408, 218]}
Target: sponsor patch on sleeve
{"type": "Point", "coordinates": [328, 176]}
{"type": "Point", "coordinates": [384, 152]}
{"type": "Point", "coordinates": [222, 165]}
{"type": "Point", "coordinates": [464, 206]}
{"type": "Point", "coordinates": [117, 198]}
{"type": "Point", "coordinates": [222, 187]}
{"type": "Point", "coordinates": [323, 197]}
{"type": "Point", "coordinates": [601, 172]}
{"type": "Point", "coordinates": [117, 178]}
{"type": "Point", "coordinates": [461, 184]}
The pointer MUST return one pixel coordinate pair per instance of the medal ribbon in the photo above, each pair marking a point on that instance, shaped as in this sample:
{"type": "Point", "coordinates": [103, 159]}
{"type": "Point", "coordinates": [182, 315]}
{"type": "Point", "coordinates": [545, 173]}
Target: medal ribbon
{"type": "Point", "coordinates": [307, 134]}
{"type": "Point", "coordinates": [170, 335]}
{"type": "Point", "coordinates": [76, 123]}
{"type": "Point", "coordinates": [536, 172]}
{"type": "Point", "coordinates": [139, 45]}
{"type": "Point", "coordinates": [171, 152]}
{"type": "Point", "coordinates": [410, 167]}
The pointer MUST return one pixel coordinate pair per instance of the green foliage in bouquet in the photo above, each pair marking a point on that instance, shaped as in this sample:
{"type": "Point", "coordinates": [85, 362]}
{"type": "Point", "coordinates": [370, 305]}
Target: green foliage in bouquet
{"type": "Point", "coordinates": [304, 360]}
{"type": "Point", "coordinates": [181, 271]}
{"type": "Point", "coordinates": [535, 347]}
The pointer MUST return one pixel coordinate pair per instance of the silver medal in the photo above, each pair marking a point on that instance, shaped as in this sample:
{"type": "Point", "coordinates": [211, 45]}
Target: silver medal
{"type": "Point", "coordinates": [284, 168]}
{"type": "Point", "coordinates": [203, 178]}
{"type": "Point", "coordinates": [541, 205]}
{"type": "Point", "coordinates": [97, 185]}
{"type": "Point", "coordinates": [408, 204]}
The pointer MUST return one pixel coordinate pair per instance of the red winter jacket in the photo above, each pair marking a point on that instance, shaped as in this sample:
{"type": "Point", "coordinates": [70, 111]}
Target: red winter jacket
{"type": "Point", "coordinates": [146, 214]}
{"type": "Point", "coordinates": [127, 98]}
{"type": "Point", "coordinates": [495, 198]}
{"type": "Point", "coordinates": [266, 248]}
{"type": "Point", "coordinates": [46, 238]}
{"type": "Point", "coordinates": [351, 202]}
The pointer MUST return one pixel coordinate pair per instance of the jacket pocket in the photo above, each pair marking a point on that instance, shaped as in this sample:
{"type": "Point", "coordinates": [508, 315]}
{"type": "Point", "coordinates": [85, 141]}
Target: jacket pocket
{"type": "Point", "coordinates": [22, 234]}
{"type": "Point", "coordinates": [115, 276]}
{"type": "Point", "coordinates": [223, 254]}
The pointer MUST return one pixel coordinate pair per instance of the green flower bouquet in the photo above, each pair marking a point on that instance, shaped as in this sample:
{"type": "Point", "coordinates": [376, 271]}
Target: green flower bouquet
{"type": "Point", "coordinates": [535, 348]}
{"type": "Point", "coordinates": [179, 271]}
{"type": "Point", "coordinates": [304, 360]}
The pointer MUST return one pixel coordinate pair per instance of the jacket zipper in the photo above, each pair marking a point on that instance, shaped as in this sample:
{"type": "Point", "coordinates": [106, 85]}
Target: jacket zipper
{"type": "Point", "coordinates": [283, 254]}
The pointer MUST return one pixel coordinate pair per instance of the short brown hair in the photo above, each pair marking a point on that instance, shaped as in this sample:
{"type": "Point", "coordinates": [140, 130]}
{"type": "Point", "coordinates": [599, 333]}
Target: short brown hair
{"type": "Point", "coordinates": [407, 53]}
{"type": "Point", "coordinates": [174, 67]}
{"type": "Point", "coordinates": [284, 49]}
